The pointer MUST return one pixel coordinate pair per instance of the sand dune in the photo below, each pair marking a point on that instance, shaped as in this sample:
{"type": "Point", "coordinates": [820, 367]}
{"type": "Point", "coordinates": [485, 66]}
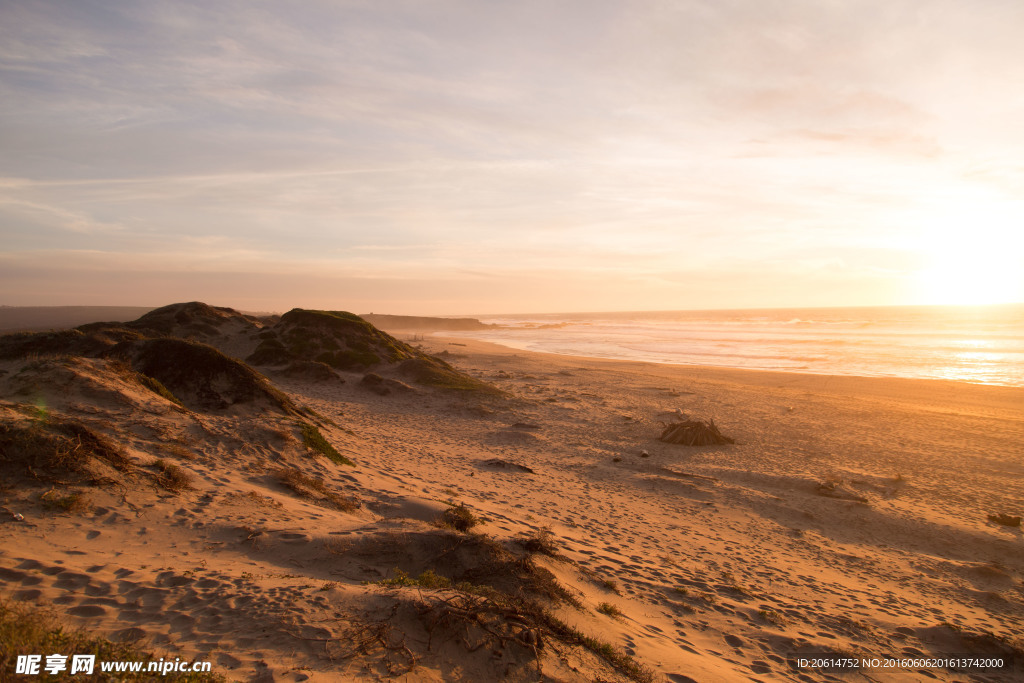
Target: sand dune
{"type": "Point", "coordinates": [850, 517]}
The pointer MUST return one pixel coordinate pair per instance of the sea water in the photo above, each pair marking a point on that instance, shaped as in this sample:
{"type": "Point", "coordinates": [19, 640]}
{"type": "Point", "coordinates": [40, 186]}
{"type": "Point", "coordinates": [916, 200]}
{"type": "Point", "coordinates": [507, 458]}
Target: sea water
{"type": "Point", "coordinates": [980, 344]}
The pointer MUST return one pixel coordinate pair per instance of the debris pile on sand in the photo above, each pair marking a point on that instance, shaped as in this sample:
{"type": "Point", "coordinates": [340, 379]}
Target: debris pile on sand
{"type": "Point", "coordinates": [1005, 520]}
{"type": "Point", "coordinates": [840, 490]}
{"type": "Point", "coordinates": [507, 465]}
{"type": "Point", "coordinates": [694, 433]}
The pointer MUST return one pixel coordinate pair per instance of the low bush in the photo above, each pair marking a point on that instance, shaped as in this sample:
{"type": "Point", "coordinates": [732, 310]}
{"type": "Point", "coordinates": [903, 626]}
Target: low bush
{"type": "Point", "coordinates": [459, 518]}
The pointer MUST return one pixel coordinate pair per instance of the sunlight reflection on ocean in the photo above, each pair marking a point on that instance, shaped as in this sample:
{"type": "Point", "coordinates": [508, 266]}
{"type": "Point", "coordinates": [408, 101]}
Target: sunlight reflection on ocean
{"type": "Point", "coordinates": [981, 344]}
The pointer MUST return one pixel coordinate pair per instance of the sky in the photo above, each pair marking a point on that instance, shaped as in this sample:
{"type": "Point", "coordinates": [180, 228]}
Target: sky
{"type": "Point", "coordinates": [477, 156]}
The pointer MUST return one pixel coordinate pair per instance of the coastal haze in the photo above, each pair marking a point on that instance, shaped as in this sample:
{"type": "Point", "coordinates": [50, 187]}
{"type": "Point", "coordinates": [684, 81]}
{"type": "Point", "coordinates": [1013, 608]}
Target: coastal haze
{"type": "Point", "coordinates": [473, 341]}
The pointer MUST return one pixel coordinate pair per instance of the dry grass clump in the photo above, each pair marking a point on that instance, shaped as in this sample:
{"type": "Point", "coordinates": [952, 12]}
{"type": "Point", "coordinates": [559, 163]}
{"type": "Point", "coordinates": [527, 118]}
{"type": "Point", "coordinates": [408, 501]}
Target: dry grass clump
{"type": "Point", "coordinates": [76, 502]}
{"type": "Point", "coordinates": [25, 630]}
{"type": "Point", "coordinates": [314, 488]}
{"type": "Point", "coordinates": [609, 609]}
{"type": "Point", "coordinates": [504, 619]}
{"type": "Point", "coordinates": [59, 448]}
{"type": "Point", "coordinates": [541, 541]}
{"type": "Point", "coordinates": [772, 617]}
{"type": "Point", "coordinates": [477, 586]}
{"type": "Point", "coordinates": [254, 497]}
{"type": "Point", "coordinates": [171, 477]}
{"type": "Point", "coordinates": [427, 579]}
{"type": "Point", "coordinates": [177, 450]}
{"type": "Point", "coordinates": [459, 517]}
{"type": "Point", "coordinates": [607, 584]}
{"type": "Point", "coordinates": [315, 441]}
{"type": "Point", "coordinates": [470, 561]}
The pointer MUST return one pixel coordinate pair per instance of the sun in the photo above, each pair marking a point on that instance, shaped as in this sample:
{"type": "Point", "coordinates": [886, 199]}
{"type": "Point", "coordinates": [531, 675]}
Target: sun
{"type": "Point", "coordinates": [973, 253]}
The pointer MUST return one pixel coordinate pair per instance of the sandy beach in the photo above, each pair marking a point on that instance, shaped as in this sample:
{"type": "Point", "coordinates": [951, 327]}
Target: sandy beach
{"type": "Point", "coordinates": [572, 342]}
{"type": "Point", "coordinates": [850, 518]}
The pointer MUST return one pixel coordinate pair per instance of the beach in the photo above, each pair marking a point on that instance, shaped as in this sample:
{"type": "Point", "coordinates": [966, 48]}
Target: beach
{"type": "Point", "coordinates": [850, 518]}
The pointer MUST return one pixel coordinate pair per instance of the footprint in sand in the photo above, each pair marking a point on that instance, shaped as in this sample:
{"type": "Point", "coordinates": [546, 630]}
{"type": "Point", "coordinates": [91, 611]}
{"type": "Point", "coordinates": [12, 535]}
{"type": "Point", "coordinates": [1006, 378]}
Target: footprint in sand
{"type": "Point", "coordinates": [734, 641]}
{"type": "Point", "coordinates": [13, 575]}
{"type": "Point", "coordinates": [180, 622]}
{"type": "Point", "coordinates": [172, 579]}
{"type": "Point", "coordinates": [227, 661]}
{"type": "Point", "coordinates": [87, 611]}
{"type": "Point", "coordinates": [98, 588]}
{"type": "Point", "coordinates": [128, 635]}
{"type": "Point", "coordinates": [68, 580]}
{"type": "Point", "coordinates": [127, 615]}
{"type": "Point", "coordinates": [148, 598]}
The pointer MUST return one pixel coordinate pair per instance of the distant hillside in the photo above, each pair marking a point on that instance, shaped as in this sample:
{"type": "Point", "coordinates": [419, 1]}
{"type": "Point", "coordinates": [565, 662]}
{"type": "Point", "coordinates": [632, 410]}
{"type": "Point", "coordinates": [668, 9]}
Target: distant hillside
{"type": "Point", "coordinates": [36, 318]}
{"type": "Point", "coordinates": [197, 350]}
{"type": "Point", "coordinates": [347, 342]}
{"type": "Point", "coordinates": [422, 324]}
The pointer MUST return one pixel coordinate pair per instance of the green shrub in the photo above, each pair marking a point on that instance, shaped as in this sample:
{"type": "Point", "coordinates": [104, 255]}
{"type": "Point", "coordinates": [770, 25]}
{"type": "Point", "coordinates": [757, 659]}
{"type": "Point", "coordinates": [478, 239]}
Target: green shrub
{"type": "Point", "coordinates": [427, 579]}
{"type": "Point", "coordinates": [314, 440]}
{"type": "Point", "coordinates": [459, 518]}
{"type": "Point", "coordinates": [159, 389]}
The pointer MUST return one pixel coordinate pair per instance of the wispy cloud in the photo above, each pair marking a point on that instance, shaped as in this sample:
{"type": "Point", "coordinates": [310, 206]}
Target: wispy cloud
{"type": "Point", "coordinates": [537, 142]}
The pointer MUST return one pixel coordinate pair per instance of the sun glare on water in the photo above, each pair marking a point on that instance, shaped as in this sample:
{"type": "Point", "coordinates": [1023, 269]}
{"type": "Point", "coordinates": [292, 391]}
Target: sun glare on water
{"type": "Point", "coordinates": [974, 254]}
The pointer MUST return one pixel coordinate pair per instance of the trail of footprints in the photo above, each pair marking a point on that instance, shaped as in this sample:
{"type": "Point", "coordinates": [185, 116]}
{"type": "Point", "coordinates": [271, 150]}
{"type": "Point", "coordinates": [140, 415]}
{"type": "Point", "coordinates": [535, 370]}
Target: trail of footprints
{"type": "Point", "coordinates": [199, 607]}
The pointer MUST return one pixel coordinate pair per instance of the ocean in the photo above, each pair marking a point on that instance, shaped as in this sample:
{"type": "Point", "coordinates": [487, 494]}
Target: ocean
{"type": "Point", "coordinates": [978, 344]}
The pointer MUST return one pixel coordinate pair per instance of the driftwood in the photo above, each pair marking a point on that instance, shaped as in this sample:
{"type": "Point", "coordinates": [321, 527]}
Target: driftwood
{"type": "Point", "coordinates": [505, 464]}
{"type": "Point", "coordinates": [684, 475]}
{"type": "Point", "coordinates": [694, 433]}
{"type": "Point", "coordinates": [839, 490]}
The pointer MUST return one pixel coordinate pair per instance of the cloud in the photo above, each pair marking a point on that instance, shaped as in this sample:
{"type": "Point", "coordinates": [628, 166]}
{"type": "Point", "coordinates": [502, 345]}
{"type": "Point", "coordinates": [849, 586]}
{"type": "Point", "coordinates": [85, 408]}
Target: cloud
{"type": "Point", "coordinates": [630, 138]}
